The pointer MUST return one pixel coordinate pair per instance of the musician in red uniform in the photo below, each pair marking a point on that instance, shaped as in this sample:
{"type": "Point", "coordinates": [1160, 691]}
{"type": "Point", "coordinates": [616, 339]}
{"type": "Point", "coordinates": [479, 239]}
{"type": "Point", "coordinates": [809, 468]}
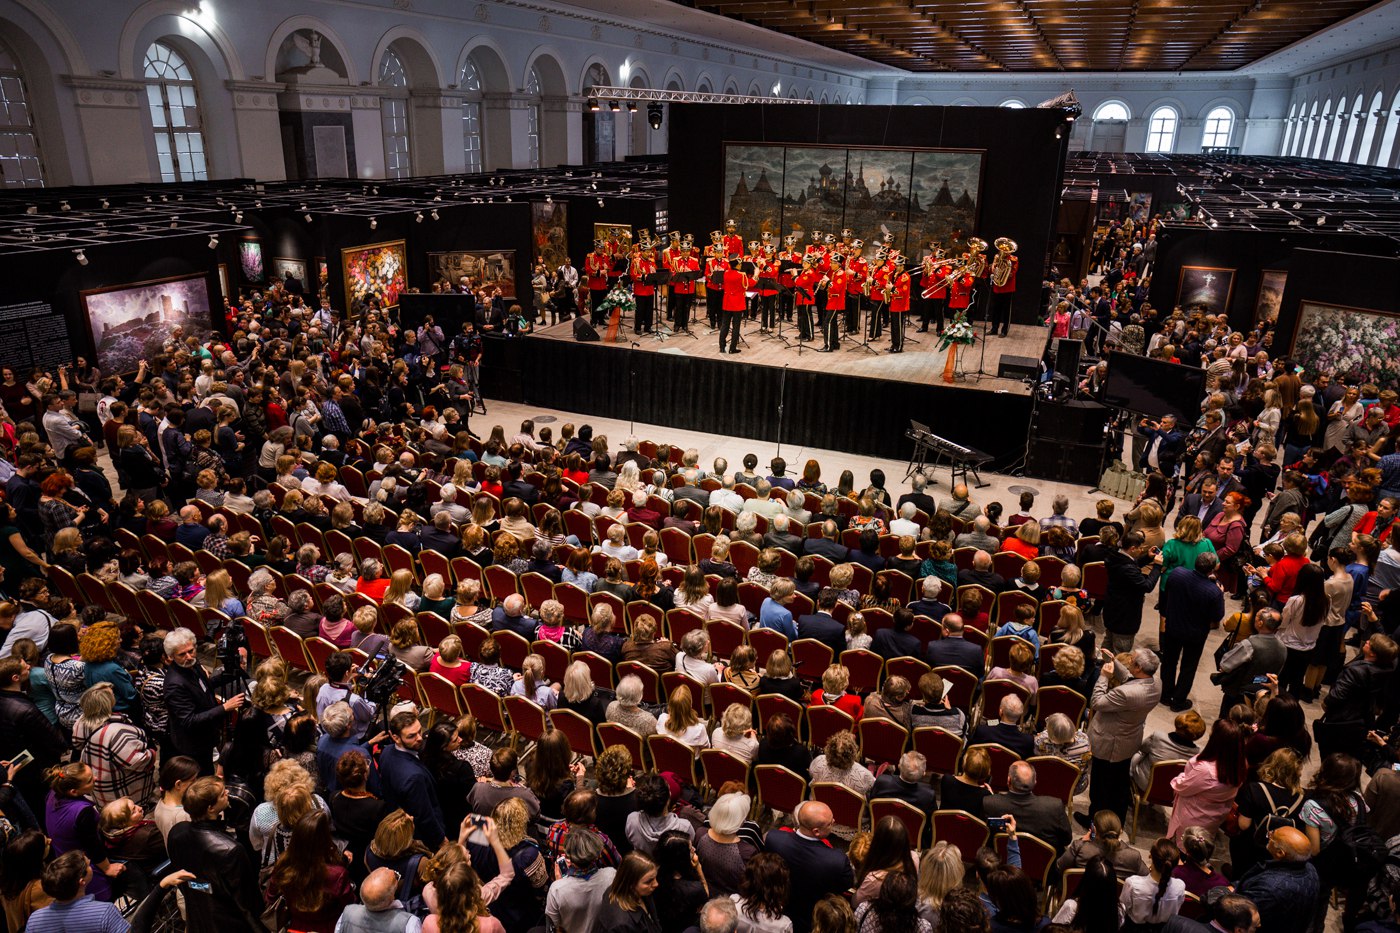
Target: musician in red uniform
{"type": "Point", "coordinates": [837, 283]}
{"type": "Point", "coordinates": [1003, 293]}
{"type": "Point", "coordinates": [683, 293]}
{"type": "Point", "coordinates": [789, 264]}
{"type": "Point", "coordinates": [643, 292]}
{"type": "Point", "coordinates": [714, 266]}
{"type": "Point", "coordinates": [899, 290]}
{"type": "Point", "coordinates": [935, 288]}
{"type": "Point", "coordinates": [595, 269]}
{"type": "Point", "coordinates": [804, 296]}
{"type": "Point", "coordinates": [766, 272]}
{"type": "Point", "coordinates": [857, 280]}
{"type": "Point", "coordinates": [667, 261]}
{"type": "Point", "coordinates": [736, 301]}
{"type": "Point", "coordinates": [960, 289]}
{"type": "Point", "coordinates": [878, 282]}
{"type": "Point", "coordinates": [733, 243]}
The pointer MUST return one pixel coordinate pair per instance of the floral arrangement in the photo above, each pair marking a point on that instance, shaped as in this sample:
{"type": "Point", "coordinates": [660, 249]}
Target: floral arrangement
{"type": "Point", "coordinates": [1352, 344]}
{"type": "Point", "coordinates": [618, 298]}
{"type": "Point", "coordinates": [960, 331]}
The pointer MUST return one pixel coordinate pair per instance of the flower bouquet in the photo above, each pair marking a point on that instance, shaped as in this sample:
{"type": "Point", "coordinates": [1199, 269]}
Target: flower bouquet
{"type": "Point", "coordinates": [958, 334]}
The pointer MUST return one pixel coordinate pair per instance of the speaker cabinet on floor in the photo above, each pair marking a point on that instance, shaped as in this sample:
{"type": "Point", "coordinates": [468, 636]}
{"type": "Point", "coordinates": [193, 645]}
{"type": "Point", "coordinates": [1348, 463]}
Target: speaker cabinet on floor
{"type": "Point", "coordinates": [1070, 422]}
{"type": "Point", "coordinates": [1053, 459]}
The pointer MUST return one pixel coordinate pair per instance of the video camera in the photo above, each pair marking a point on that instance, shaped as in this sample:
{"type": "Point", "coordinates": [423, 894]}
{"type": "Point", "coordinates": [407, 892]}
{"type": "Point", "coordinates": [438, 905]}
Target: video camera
{"type": "Point", "coordinates": [379, 684]}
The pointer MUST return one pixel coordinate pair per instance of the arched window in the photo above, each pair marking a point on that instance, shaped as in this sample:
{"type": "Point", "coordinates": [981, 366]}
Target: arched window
{"type": "Point", "coordinates": [1111, 110]}
{"type": "Point", "coordinates": [1309, 127]}
{"type": "Point", "coordinates": [1353, 123]}
{"type": "Point", "coordinates": [469, 83]}
{"type": "Point", "coordinates": [1368, 135]}
{"type": "Point", "coordinates": [1161, 130]}
{"type": "Point", "coordinates": [1012, 104]}
{"type": "Point", "coordinates": [1334, 130]}
{"type": "Point", "coordinates": [1392, 123]}
{"type": "Point", "coordinates": [1324, 123]}
{"type": "Point", "coordinates": [533, 118]}
{"type": "Point", "coordinates": [1288, 127]}
{"type": "Point", "coordinates": [20, 164]}
{"type": "Point", "coordinates": [393, 115]}
{"type": "Point", "coordinates": [1220, 123]}
{"type": "Point", "coordinates": [174, 115]}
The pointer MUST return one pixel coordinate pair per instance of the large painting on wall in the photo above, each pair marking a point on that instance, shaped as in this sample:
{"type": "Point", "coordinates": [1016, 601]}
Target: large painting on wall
{"type": "Point", "coordinates": [549, 225]}
{"type": "Point", "coordinates": [374, 273]}
{"type": "Point", "coordinates": [489, 269]}
{"type": "Point", "coordinates": [250, 260]}
{"type": "Point", "coordinates": [1205, 287]}
{"type": "Point", "coordinates": [323, 277]}
{"type": "Point", "coordinates": [133, 322]}
{"type": "Point", "coordinates": [279, 267]}
{"type": "Point", "coordinates": [1353, 344]}
{"type": "Point", "coordinates": [1271, 283]}
{"type": "Point", "coordinates": [914, 195]}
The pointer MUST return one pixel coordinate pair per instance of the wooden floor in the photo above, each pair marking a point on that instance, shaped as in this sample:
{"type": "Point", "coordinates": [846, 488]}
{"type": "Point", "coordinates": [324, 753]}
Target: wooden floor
{"type": "Point", "coordinates": [920, 362]}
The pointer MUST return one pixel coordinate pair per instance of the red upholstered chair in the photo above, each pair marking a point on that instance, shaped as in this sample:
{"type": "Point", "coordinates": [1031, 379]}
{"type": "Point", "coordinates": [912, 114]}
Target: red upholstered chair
{"type": "Point", "coordinates": [671, 754]}
{"type": "Point", "coordinates": [1048, 619]}
{"type": "Point", "coordinates": [1095, 581]}
{"type": "Point", "coordinates": [527, 718]}
{"type": "Point", "coordinates": [962, 557]}
{"type": "Point", "coordinates": [464, 568]}
{"type": "Point", "coordinates": [610, 734]}
{"type": "Point", "coordinates": [1002, 759]}
{"type": "Point", "coordinates": [964, 686]}
{"type": "Point", "coordinates": [722, 696]}
{"type": "Point", "coordinates": [485, 707]}
{"type": "Point", "coordinates": [994, 691]}
{"type": "Point", "coordinates": [940, 747]}
{"type": "Point", "coordinates": [774, 704]}
{"type": "Point", "coordinates": [578, 729]}
{"type": "Point", "coordinates": [1051, 570]}
{"type": "Point", "coordinates": [501, 582]}
{"type": "Point", "coordinates": [574, 600]}
{"type": "Point", "coordinates": [537, 589]}
{"type": "Point", "coordinates": [780, 789]}
{"type": "Point", "coordinates": [847, 804]}
{"type": "Point", "coordinates": [318, 650]}
{"type": "Point", "coordinates": [962, 829]}
{"type": "Point", "coordinates": [1054, 777]}
{"type": "Point", "coordinates": [764, 642]}
{"type": "Point", "coordinates": [825, 721]}
{"type": "Point", "coordinates": [513, 647]}
{"type": "Point", "coordinates": [1159, 789]}
{"type": "Point", "coordinates": [681, 622]}
{"type": "Point", "coordinates": [651, 680]}
{"type": "Point", "coordinates": [725, 637]}
{"type": "Point", "coordinates": [810, 658]}
{"type": "Point", "coordinates": [599, 667]}
{"type": "Point", "coordinates": [619, 608]}
{"type": "Point", "coordinates": [752, 595]}
{"type": "Point", "coordinates": [911, 816]}
{"type": "Point", "coordinates": [743, 556]}
{"type": "Point", "coordinates": [398, 559]}
{"type": "Point", "coordinates": [472, 636]}
{"type": "Point", "coordinates": [1037, 856]}
{"type": "Point", "coordinates": [1008, 564]}
{"type": "Point", "coordinates": [259, 643]}
{"type": "Point", "coordinates": [676, 544]}
{"type": "Point", "coordinates": [1057, 699]}
{"type": "Point", "coordinates": [441, 694]}
{"type": "Point", "coordinates": [556, 658]}
{"type": "Point", "coordinates": [1007, 604]}
{"type": "Point", "coordinates": [672, 680]}
{"type": "Point", "coordinates": [702, 544]}
{"type": "Point", "coordinates": [1046, 664]}
{"type": "Point", "coordinates": [911, 669]}
{"type": "Point", "coordinates": [434, 627]}
{"type": "Point", "coordinates": [720, 767]}
{"type": "Point", "coordinates": [866, 668]}
{"type": "Point", "coordinates": [882, 740]}
{"type": "Point", "coordinates": [289, 648]}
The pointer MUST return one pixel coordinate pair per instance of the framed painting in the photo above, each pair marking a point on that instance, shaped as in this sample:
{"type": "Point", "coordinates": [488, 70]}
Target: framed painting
{"type": "Point", "coordinates": [374, 274]}
{"type": "Point", "coordinates": [753, 178]}
{"type": "Point", "coordinates": [323, 277]}
{"type": "Point", "coordinates": [1266, 305]}
{"type": "Point", "coordinates": [490, 269]}
{"type": "Point", "coordinates": [549, 227]}
{"type": "Point", "coordinates": [280, 267]}
{"type": "Point", "coordinates": [133, 322]}
{"type": "Point", "coordinates": [223, 283]}
{"type": "Point", "coordinates": [1206, 287]}
{"type": "Point", "coordinates": [1355, 345]}
{"type": "Point", "coordinates": [1140, 206]}
{"type": "Point", "coordinates": [250, 260]}
{"type": "Point", "coordinates": [620, 232]}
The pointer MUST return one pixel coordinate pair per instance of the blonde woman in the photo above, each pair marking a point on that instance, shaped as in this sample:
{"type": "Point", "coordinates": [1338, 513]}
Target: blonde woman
{"type": "Point", "coordinates": [533, 683]}
{"type": "Point", "coordinates": [940, 871]}
{"type": "Point", "coordinates": [400, 592]}
{"type": "Point", "coordinates": [404, 645]}
{"type": "Point", "coordinates": [467, 608]}
{"type": "Point", "coordinates": [218, 594]}
{"type": "Point", "coordinates": [1150, 524]}
{"type": "Point", "coordinates": [681, 722]}
{"type": "Point", "coordinates": [839, 764]}
{"type": "Point", "coordinates": [449, 663]}
{"type": "Point", "coordinates": [736, 734]}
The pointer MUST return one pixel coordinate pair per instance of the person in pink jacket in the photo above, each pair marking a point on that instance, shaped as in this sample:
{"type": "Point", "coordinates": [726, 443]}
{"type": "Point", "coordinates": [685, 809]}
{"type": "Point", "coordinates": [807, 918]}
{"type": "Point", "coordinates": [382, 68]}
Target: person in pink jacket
{"type": "Point", "coordinates": [1206, 790]}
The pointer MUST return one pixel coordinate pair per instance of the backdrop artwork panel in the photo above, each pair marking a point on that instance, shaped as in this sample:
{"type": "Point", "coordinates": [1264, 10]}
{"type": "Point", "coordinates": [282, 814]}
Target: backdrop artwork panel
{"type": "Point", "coordinates": [491, 268]}
{"type": "Point", "coordinates": [1271, 283]}
{"type": "Point", "coordinates": [132, 322]}
{"type": "Point", "coordinates": [877, 193]}
{"type": "Point", "coordinates": [620, 232]}
{"type": "Point", "coordinates": [753, 179]}
{"type": "Point", "coordinates": [223, 283]}
{"type": "Point", "coordinates": [1206, 287]}
{"type": "Point", "coordinates": [1354, 344]}
{"type": "Point", "coordinates": [250, 260]}
{"type": "Point", "coordinates": [813, 199]}
{"type": "Point", "coordinates": [945, 200]}
{"type": "Point", "coordinates": [1140, 206]}
{"type": "Point", "coordinates": [372, 272]}
{"type": "Point", "coordinates": [549, 227]}
{"type": "Point", "coordinates": [279, 267]}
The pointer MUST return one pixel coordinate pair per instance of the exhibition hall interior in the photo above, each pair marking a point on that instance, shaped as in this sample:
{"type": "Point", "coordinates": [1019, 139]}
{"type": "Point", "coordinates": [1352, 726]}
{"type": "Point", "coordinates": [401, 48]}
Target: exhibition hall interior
{"type": "Point", "coordinates": [733, 466]}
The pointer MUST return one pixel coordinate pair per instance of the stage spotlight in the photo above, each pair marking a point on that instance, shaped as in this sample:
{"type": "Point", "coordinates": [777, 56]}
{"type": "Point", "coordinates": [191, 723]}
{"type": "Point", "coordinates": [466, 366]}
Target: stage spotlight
{"type": "Point", "coordinates": [631, 106]}
{"type": "Point", "coordinates": [1297, 205]}
{"type": "Point", "coordinates": [255, 203]}
{"type": "Point", "coordinates": [1214, 222]}
{"type": "Point", "coordinates": [549, 199]}
{"type": "Point", "coordinates": [593, 104]}
{"type": "Point", "coordinates": [64, 206]}
{"type": "Point", "coordinates": [600, 202]}
{"type": "Point", "coordinates": [213, 241]}
{"type": "Point", "coordinates": [238, 217]}
{"type": "Point", "coordinates": [434, 215]}
{"type": "Point", "coordinates": [654, 116]}
{"type": "Point", "coordinates": [373, 222]}
{"type": "Point", "coordinates": [1321, 221]}
{"type": "Point", "coordinates": [81, 256]}
{"type": "Point", "coordinates": [31, 209]}
{"type": "Point", "coordinates": [306, 217]}
{"type": "Point", "coordinates": [418, 217]}
{"type": "Point", "coordinates": [105, 204]}
{"type": "Point", "coordinates": [174, 222]}
{"type": "Point", "coordinates": [1059, 132]}
{"type": "Point", "coordinates": [614, 106]}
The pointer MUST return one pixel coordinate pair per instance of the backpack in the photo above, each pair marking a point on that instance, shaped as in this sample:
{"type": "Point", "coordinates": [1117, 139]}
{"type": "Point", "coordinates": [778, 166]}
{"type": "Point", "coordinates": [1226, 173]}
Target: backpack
{"type": "Point", "coordinates": [1356, 850]}
{"type": "Point", "coordinates": [1278, 817]}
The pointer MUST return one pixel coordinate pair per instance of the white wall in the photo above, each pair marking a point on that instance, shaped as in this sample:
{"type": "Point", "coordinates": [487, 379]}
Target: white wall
{"type": "Point", "coordinates": [1375, 73]}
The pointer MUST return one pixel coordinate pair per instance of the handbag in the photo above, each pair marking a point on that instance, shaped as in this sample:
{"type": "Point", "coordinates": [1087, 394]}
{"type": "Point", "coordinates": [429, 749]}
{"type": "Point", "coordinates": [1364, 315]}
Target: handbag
{"type": "Point", "coordinates": [276, 917]}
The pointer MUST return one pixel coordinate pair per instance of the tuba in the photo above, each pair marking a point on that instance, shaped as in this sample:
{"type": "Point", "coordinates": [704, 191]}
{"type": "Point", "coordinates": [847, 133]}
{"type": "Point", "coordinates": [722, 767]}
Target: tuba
{"type": "Point", "coordinates": [978, 260]}
{"type": "Point", "coordinates": [1001, 266]}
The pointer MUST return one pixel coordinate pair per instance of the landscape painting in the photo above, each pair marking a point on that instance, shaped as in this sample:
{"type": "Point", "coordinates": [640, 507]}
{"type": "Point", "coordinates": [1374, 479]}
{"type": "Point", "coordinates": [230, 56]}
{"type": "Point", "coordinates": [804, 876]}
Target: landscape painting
{"type": "Point", "coordinates": [374, 275]}
{"type": "Point", "coordinates": [753, 175]}
{"type": "Point", "coordinates": [133, 322]}
{"type": "Point", "coordinates": [250, 260]}
{"type": "Point", "coordinates": [489, 269]}
{"type": "Point", "coordinates": [280, 268]}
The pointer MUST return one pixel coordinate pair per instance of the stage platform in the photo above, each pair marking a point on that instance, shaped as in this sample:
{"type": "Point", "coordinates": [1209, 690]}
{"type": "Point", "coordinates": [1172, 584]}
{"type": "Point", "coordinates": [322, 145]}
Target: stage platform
{"type": "Point", "coordinates": [921, 363]}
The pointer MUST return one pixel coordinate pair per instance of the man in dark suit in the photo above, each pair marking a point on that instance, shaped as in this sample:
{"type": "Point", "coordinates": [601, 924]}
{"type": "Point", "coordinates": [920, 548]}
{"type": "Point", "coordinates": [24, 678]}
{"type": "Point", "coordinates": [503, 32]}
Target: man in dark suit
{"type": "Point", "coordinates": [820, 868]}
{"type": "Point", "coordinates": [1205, 504]}
{"type": "Point", "coordinates": [1042, 817]}
{"type": "Point", "coordinates": [439, 537]}
{"type": "Point", "coordinates": [780, 536]}
{"type": "Point", "coordinates": [196, 713]}
{"type": "Point", "coordinates": [822, 626]}
{"type": "Point", "coordinates": [907, 784]}
{"type": "Point", "coordinates": [981, 574]}
{"type": "Point", "coordinates": [1163, 447]}
{"type": "Point", "coordinates": [510, 616]}
{"type": "Point", "coordinates": [517, 488]}
{"type": "Point", "coordinates": [1233, 913]}
{"type": "Point", "coordinates": [953, 649]}
{"type": "Point", "coordinates": [922, 500]}
{"type": "Point", "coordinates": [929, 604]}
{"type": "Point", "coordinates": [1225, 479]}
{"type": "Point", "coordinates": [1128, 585]}
{"type": "Point", "coordinates": [408, 783]}
{"type": "Point", "coordinates": [1007, 731]}
{"type": "Point", "coordinates": [897, 642]}
{"type": "Point", "coordinates": [829, 544]}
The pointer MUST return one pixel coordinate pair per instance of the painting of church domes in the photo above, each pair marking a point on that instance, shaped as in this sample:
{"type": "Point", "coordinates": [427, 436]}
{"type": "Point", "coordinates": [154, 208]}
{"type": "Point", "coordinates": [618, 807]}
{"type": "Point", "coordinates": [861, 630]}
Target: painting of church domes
{"type": "Point", "coordinates": [914, 195]}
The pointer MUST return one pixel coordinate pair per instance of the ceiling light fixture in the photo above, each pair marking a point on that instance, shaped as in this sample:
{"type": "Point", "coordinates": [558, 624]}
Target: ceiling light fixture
{"type": "Point", "coordinates": [81, 257]}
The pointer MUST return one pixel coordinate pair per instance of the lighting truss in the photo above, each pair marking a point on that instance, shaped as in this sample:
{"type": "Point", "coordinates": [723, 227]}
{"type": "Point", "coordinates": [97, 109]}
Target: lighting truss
{"type": "Point", "coordinates": [605, 92]}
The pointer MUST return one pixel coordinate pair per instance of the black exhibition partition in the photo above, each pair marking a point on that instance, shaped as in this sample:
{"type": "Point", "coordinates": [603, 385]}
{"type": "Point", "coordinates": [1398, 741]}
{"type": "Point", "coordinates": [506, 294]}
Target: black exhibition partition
{"type": "Point", "coordinates": [1020, 186]}
{"type": "Point", "coordinates": [637, 212]}
{"type": "Point", "coordinates": [1370, 283]}
{"type": "Point", "coordinates": [777, 404]}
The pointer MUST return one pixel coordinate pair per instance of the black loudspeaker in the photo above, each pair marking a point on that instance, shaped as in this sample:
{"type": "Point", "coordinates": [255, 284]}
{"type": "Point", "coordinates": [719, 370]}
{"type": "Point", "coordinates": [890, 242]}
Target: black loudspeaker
{"type": "Point", "coordinates": [584, 332]}
{"type": "Point", "coordinates": [1067, 354]}
{"type": "Point", "coordinates": [1053, 459]}
{"type": "Point", "coordinates": [1017, 367]}
{"type": "Point", "coordinates": [1071, 422]}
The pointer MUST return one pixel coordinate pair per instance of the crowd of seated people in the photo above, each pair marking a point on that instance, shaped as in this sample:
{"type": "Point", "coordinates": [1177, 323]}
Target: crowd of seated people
{"type": "Point", "coordinates": [643, 695]}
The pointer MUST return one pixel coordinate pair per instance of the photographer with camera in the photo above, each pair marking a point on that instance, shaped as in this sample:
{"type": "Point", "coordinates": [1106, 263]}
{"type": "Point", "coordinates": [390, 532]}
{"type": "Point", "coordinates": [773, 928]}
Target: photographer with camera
{"type": "Point", "coordinates": [196, 714]}
{"type": "Point", "coordinates": [339, 689]}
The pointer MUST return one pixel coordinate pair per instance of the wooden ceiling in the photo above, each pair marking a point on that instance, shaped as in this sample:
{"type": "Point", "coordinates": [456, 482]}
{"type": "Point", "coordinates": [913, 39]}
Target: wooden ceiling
{"type": "Point", "coordinates": [1046, 35]}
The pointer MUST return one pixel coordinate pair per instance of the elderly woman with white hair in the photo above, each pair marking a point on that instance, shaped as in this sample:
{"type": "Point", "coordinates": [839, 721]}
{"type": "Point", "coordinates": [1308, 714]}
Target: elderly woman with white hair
{"type": "Point", "coordinates": [735, 733]}
{"type": "Point", "coordinates": [723, 849]}
{"type": "Point", "coordinates": [447, 502]}
{"type": "Point", "coordinates": [122, 761]}
{"type": "Point", "coordinates": [627, 710]}
{"type": "Point", "coordinates": [693, 659]}
{"type": "Point", "coordinates": [263, 604]}
{"type": "Point", "coordinates": [629, 477]}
